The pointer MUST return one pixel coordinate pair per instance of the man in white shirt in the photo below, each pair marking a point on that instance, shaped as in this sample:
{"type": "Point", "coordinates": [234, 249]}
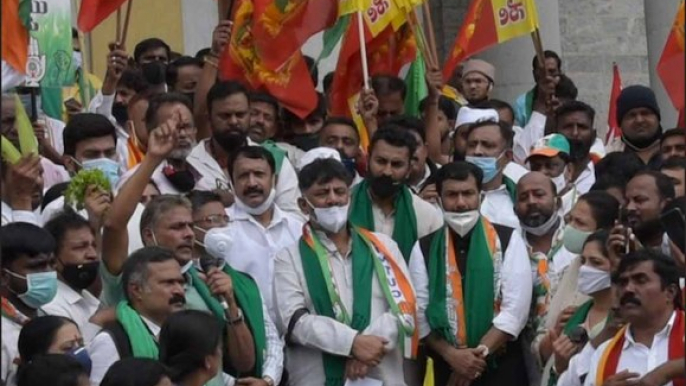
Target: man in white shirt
{"type": "Point", "coordinates": [22, 190]}
{"type": "Point", "coordinates": [28, 282]}
{"type": "Point", "coordinates": [383, 202]}
{"type": "Point", "coordinates": [647, 284]}
{"type": "Point", "coordinates": [257, 227]}
{"type": "Point", "coordinates": [489, 146]}
{"type": "Point", "coordinates": [229, 117]}
{"type": "Point", "coordinates": [339, 321]}
{"type": "Point", "coordinates": [78, 261]}
{"type": "Point", "coordinates": [473, 284]}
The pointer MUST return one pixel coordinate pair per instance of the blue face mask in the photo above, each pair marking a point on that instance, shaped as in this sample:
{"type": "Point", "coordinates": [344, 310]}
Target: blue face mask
{"type": "Point", "coordinates": [81, 355]}
{"type": "Point", "coordinates": [106, 165]}
{"type": "Point", "coordinates": [488, 165]}
{"type": "Point", "coordinates": [41, 288]}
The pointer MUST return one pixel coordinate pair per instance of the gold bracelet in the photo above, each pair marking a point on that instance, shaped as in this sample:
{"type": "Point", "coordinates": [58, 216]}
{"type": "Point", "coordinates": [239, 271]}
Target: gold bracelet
{"type": "Point", "coordinates": [211, 62]}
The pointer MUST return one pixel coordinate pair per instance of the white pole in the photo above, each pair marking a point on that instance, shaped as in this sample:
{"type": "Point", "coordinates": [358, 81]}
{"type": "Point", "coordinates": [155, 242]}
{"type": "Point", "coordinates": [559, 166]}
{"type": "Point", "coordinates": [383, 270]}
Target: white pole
{"type": "Point", "coordinates": [363, 50]}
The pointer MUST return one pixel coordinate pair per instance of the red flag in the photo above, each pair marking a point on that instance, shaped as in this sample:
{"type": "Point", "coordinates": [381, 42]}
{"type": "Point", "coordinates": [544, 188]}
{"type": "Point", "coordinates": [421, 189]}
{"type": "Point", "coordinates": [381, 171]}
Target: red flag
{"type": "Point", "coordinates": [681, 121]}
{"type": "Point", "coordinates": [94, 12]}
{"type": "Point", "coordinates": [291, 83]}
{"type": "Point", "coordinates": [281, 27]}
{"type": "Point", "coordinates": [670, 68]}
{"type": "Point", "coordinates": [15, 35]}
{"type": "Point", "coordinates": [614, 131]}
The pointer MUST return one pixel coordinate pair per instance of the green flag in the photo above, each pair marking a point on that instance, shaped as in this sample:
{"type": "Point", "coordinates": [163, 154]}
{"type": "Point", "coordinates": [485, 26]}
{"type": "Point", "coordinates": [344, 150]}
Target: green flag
{"type": "Point", "coordinates": [334, 35]}
{"type": "Point", "coordinates": [416, 86]}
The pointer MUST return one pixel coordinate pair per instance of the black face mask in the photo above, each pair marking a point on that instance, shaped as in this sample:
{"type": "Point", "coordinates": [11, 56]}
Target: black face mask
{"type": "Point", "coordinates": [349, 164]}
{"type": "Point", "coordinates": [641, 144]}
{"type": "Point", "coordinates": [305, 142]}
{"type": "Point", "coordinates": [154, 73]}
{"type": "Point", "coordinates": [231, 139]}
{"type": "Point", "coordinates": [80, 276]}
{"type": "Point", "coordinates": [384, 187]}
{"type": "Point", "coordinates": [182, 180]}
{"type": "Point", "coordinates": [120, 112]}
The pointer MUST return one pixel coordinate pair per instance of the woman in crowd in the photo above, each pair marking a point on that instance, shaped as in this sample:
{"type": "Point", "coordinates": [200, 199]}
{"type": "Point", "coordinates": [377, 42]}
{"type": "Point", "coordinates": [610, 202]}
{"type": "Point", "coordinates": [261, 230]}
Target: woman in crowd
{"type": "Point", "coordinates": [52, 370]}
{"type": "Point", "coordinates": [52, 335]}
{"type": "Point", "coordinates": [136, 372]}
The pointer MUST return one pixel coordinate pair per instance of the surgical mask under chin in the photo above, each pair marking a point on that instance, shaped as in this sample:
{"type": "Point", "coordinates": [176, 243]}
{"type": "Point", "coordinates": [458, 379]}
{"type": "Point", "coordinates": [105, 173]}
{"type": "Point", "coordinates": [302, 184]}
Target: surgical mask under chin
{"type": "Point", "coordinates": [560, 182]}
{"type": "Point", "coordinates": [574, 239]}
{"type": "Point", "coordinates": [106, 165]}
{"type": "Point", "coordinates": [218, 242]}
{"type": "Point", "coordinates": [592, 280]}
{"type": "Point", "coordinates": [488, 165]}
{"type": "Point", "coordinates": [543, 228]}
{"type": "Point", "coordinates": [260, 209]}
{"type": "Point", "coordinates": [41, 288]}
{"type": "Point", "coordinates": [463, 222]}
{"type": "Point", "coordinates": [331, 219]}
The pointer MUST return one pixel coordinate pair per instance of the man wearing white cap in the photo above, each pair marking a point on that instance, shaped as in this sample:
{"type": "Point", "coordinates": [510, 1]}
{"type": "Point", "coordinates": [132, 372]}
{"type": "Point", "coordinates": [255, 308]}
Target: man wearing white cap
{"type": "Point", "coordinates": [478, 78]}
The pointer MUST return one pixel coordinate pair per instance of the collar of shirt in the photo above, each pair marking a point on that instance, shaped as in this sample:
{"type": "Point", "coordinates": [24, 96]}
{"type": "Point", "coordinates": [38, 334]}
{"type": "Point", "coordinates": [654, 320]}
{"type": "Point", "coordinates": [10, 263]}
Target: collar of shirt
{"type": "Point", "coordinates": [664, 333]}
{"type": "Point", "coordinates": [238, 214]}
{"type": "Point", "coordinates": [152, 327]}
{"type": "Point", "coordinates": [427, 173]}
{"type": "Point", "coordinates": [69, 294]}
{"type": "Point", "coordinates": [331, 247]}
{"type": "Point", "coordinates": [588, 172]}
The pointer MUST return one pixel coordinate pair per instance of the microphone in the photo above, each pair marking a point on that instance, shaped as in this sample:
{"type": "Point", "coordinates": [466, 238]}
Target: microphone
{"type": "Point", "coordinates": [208, 262]}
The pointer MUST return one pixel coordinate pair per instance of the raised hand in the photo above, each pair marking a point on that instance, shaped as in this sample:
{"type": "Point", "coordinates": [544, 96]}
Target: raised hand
{"type": "Point", "coordinates": [163, 139]}
{"type": "Point", "coordinates": [97, 203]}
{"type": "Point", "coordinates": [564, 349]}
{"type": "Point", "coordinates": [221, 37]}
{"type": "Point", "coordinates": [25, 178]}
{"type": "Point", "coordinates": [434, 81]}
{"type": "Point", "coordinates": [368, 105]}
{"type": "Point", "coordinates": [117, 60]}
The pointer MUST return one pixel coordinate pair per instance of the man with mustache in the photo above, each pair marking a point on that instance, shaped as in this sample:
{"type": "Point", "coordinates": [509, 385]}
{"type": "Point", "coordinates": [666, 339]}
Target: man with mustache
{"type": "Point", "coordinates": [167, 222]}
{"type": "Point", "coordinates": [173, 175]}
{"type": "Point", "coordinates": [228, 107]}
{"type": "Point", "coordinates": [647, 285]}
{"type": "Point", "coordinates": [638, 114]}
{"type": "Point", "coordinates": [383, 202]}
{"type": "Point", "coordinates": [153, 290]}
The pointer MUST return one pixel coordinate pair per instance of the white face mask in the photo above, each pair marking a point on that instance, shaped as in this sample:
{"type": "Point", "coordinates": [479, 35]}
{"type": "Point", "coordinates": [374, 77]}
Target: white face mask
{"type": "Point", "coordinates": [331, 219]}
{"type": "Point", "coordinates": [462, 222]}
{"type": "Point", "coordinates": [592, 280]}
{"type": "Point", "coordinates": [218, 242]}
{"type": "Point", "coordinates": [260, 209]}
{"type": "Point", "coordinates": [560, 181]}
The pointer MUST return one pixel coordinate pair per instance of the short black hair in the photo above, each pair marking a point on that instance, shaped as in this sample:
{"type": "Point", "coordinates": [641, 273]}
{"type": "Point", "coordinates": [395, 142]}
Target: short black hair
{"type": "Point", "coordinates": [388, 84]}
{"type": "Point", "coordinates": [86, 126]}
{"type": "Point", "coordinates": [63, 222]}
{"type": "Point", "coordinates": [505, 131]}
{"type": "Point", "coordinates": [51, 369]}
{"type": "Point", "coordinates": [319, 111]}
{"type": "Point", "coordinates": [446, 105]}
{"type": "Point", "coordinates": [135, 372]}
{"type": "Point", "coordinates": [547, 54]}
{"type": "Point", "coordinates": [327, 82]}
{"type": "Point", "coordinates": [339, 120]}
{"type": "Point", "coordinates": [566, 88]}
{"type": "Point", "coordinates": [609, 181]}
{"type": "Point", "coordinates": [495, 104]}
{"type": "Point", "coordinates": [37, 335]}
{"type": "Point", "coordinates": [395, 136]}
{"type": "Point", "coordinates": [251, 152]}
{"type": "Point", "coordinates": [409, 123]}
{"type": "Point", "coordinates": [200, 198]}
{"type": "Point", "coordinates": [56, 191]}
{"type": "Point", "coordinates": [664, 184]}
{"type": "Point", "coordinates": [133, 79]}
{"type": "Point", "coordinates": [459, 171]}
{"type": "Point", "coordinates": [600, 236]}
{"type": "Point", "coordinates": [674, 163]}
{"type": "Point", "coordinates": [677, 131]}
{"type": "Point", "coordinates": [147, 45]}
{"type": "Point", "coordinates": [604, 208]}
{"type": "Point", "coordinates": [21, 238]}
{"type": "Point", "coordinates": [136, 267]}
{"type": "Point", "coordinates": [159, 100]}
{"type": "Point", "coordinates": [263, 97]}
{"type": "Point", "coordinates": [173, 68]}
{"type": "Point", "coordinates": [680, 204]}
{"type": "Point", "coordinates": [322, 171]}
{"type": "Point", "coordinates": [223, 90]}
{"type": "Point", "coordinates": [664, 266]}
{"type": "Point", "coordinates": [575, 106]}
{"type": "Point", "coordinates": [620, 164]}
{"type": "Point", "coordinates": [202, 53]}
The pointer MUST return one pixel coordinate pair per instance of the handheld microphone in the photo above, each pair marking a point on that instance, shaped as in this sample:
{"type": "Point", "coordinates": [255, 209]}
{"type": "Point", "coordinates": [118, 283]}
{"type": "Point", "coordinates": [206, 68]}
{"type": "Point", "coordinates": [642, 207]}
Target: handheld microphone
{"type": "Point", "coordinates": [208, 262]}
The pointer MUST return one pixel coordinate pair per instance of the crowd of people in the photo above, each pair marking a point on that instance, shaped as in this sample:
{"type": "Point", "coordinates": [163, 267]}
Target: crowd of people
{"type": "Point", "coordinates": [481, 243]}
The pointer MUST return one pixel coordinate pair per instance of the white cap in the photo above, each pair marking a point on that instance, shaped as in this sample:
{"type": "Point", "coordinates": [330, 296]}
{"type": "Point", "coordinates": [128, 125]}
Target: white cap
{"type": "Point", "coordinates": [468, 115]}
{"type": "Point", "coordinates": [315, 154]}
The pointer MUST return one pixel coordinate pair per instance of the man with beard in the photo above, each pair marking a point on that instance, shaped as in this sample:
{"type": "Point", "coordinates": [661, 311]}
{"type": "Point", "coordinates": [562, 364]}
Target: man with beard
{"type": "Point", "coordinates": [383, 202]}
{"type": "Point", "coordinates": [647, 285]}
{"type": "Point", "coordinates": [646, 196]}
{"type": "Point", "coordinates": [228, 107]}
{"type": "Point", "coordinates": [303, 134]}
{"type": "Point", "coordinates": [638, 114]}
{"type": "Point", "coordinates": [174, 175]}
{"type": "Point", "coordinates": [478, 78]}
{"type": "Point", "coordinates": [390, 92]}
{"type": "Point", "coordinates": [473, 287]}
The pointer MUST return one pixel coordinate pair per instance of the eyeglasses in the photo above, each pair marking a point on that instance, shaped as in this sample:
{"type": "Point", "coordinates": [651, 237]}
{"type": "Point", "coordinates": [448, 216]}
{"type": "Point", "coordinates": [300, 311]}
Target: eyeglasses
{"type": "Point", "coordinates": [215, 219]}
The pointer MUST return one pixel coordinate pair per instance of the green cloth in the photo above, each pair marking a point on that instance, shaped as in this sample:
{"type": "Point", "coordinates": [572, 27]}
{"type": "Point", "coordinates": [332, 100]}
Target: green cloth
{"type": "Point", "coordinates": [511, 188]}
{"type": "Point", "coordinates": [363, 271]}
{"type": "Point", "coordinates": [249, 300]}
{"type": "Point", "coordinates": [278, 153]}
{"type": "Point", "coordinates": [332, 36]}
{"type": "Point", "coordinates": [578, 317]}
{"type": "Point", "coordinates": [416, 86]}
{"type": "Point", "coordinates": [477, 287]}
{"type": "Point", "coordinates": [405, 224]}
{"type": "Point", "coordinates": [529, 105]}
{"type": "Point", "coordinates": [142, 341]}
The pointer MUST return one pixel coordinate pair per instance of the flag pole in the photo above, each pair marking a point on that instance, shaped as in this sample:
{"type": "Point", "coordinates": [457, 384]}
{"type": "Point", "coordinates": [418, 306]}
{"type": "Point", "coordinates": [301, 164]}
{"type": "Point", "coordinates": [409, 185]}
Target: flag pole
{"type": "Point", "coordinates": [430, 27]}
{"type": "Point", "coordinates": [420, 38]}
{"type": "Point", "coordinates": [538, 46]}
{"type": "Point", "coordinates": [127, 18]}
{"type": "Point", "coordinates": [118, 32]}
{"type": "Point", "coordinates": [363, 49]}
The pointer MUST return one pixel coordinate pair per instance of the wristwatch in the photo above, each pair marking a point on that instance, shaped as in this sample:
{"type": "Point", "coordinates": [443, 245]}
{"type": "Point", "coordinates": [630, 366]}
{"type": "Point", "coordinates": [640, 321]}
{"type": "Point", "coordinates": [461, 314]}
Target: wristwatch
{"type": "Point", "coordinates": [237, 319]}
{"type": "Point", "coordinates": [484, 349]}
{"type": "Point", "coordinates": [269, 380]}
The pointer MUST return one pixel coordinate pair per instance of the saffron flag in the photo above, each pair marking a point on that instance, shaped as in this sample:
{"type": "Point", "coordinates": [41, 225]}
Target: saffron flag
{"type": "Point", "coordinates": [490, 22]}
{"type": "Point", "coordinates": [291, 83]}
{"type": "Point", "coordinates": [614, 131]}
{"type": "Point", "coordinates": [280, 28]}
{"type": "Point", "coordinates": [94, 12]}
{"type": "Point", "coordinates": [16, 16]}
{"type": "Point", "coordinates": [670, 68]}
